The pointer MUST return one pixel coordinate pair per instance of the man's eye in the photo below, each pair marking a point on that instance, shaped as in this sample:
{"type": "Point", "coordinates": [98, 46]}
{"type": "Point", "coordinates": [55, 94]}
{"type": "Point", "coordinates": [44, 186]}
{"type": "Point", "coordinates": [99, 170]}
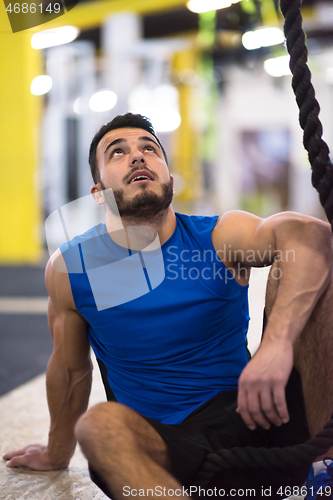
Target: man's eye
{"type": "Point", "coordinates": [149, 148]}
{"type": "Point", "coordinates": [116, 152]}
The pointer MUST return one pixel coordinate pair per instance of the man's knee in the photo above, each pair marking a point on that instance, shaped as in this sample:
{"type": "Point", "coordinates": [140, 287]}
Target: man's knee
{"type": "Point", "coordinates": [118, 427]}
{"type": "Point", "coordinates": [111, 418]}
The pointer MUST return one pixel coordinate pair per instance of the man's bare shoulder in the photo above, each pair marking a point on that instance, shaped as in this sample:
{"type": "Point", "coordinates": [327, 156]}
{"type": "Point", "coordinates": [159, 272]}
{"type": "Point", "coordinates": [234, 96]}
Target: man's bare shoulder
{"type": "Point", "coordinates": [236, 217]}
{"type": "Point", "coordinates": [58, 284]}
{"type": "Point", "coordinates": [235, 224]}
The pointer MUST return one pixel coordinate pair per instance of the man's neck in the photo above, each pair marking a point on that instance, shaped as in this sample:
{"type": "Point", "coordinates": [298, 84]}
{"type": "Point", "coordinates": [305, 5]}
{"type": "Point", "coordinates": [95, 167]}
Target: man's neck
{"type": "Point", "coordinates": [141, 234]}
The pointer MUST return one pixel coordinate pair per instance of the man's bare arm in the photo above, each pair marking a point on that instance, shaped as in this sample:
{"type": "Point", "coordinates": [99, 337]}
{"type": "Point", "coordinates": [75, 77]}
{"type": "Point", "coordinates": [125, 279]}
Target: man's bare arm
{"type": "Point", "coordinates": [68, 379]}
{"type": "Point", "coordinates": [302, 248]}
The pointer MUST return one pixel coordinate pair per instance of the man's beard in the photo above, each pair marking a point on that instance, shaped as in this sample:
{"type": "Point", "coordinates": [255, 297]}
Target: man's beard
{"type": "Point", "coordinates": [144, 207]}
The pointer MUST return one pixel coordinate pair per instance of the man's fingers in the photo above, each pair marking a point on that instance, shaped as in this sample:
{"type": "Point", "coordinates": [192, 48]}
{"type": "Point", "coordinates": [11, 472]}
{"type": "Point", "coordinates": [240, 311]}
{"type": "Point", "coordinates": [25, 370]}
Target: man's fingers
{"type": "Point", "coordinates": [256, 412]}
{"type": "Point", "coordinates": [268, 407]}
{"type": "Point", "coordinates": [20, 461]}
{"type": "Point", "coordinates": [243, 409]}
{"type": "Point", "coordinates": [11, 454]}
{"type": "Point", "coordinates": [281, 404]}
{"type": "Point", "coordinates": [263, 406]}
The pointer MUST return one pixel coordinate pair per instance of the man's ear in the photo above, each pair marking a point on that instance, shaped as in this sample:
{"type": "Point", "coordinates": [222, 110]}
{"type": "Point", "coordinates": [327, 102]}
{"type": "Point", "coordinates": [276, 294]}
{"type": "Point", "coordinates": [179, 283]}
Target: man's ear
{"type": "Point", "coordinates": [97, 193]}
{"type": "Point", "coordinates": [173, 182]}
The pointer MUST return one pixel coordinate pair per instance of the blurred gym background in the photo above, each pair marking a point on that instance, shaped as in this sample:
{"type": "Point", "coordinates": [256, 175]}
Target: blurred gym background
{"type": "Point", "coordinates": [211, 74]}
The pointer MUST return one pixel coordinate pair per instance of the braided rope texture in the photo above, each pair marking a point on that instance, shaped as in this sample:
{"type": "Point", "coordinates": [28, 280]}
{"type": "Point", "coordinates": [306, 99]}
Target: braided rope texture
{"type": "Point", "coordinates": [318, 151]}
{"type": "Point", "coordinates": [266, 458]}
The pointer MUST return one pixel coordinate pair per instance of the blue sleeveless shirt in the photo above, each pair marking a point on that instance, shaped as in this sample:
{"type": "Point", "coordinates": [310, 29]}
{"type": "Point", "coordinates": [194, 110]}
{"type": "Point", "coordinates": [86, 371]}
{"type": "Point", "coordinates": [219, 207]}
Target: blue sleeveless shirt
{"type": "Point", "coordinates": [180, 343]}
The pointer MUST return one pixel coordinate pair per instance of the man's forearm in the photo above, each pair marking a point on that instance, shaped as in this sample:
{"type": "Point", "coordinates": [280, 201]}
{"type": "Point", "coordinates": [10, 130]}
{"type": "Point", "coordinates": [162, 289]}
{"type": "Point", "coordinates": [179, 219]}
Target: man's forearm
{"type": "Point", "coordinates": [68, 395]}
{"type": "Point", "coordinates": [303, 268]}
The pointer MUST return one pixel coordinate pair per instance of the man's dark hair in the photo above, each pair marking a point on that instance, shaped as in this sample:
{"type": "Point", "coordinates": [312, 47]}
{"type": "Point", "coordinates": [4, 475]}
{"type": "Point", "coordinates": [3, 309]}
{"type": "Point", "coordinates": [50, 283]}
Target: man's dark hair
{"type": "Point", "coordinates": [128, 120]}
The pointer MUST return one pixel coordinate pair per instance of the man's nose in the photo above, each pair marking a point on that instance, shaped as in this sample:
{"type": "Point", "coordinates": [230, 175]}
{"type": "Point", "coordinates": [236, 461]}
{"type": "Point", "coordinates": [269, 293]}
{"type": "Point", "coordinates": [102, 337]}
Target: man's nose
{"type": "Point", "coordinates": [138, 158]}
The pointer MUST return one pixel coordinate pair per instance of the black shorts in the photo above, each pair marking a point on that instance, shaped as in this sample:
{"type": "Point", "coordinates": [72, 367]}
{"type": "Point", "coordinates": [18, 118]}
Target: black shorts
{"type": "Point", "coordinates": [216, 425]}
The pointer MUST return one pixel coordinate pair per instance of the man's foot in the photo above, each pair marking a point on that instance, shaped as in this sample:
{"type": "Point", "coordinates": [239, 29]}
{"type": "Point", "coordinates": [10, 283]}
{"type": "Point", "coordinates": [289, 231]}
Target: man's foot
{"type": "Point", "coordinates": [320, 485]}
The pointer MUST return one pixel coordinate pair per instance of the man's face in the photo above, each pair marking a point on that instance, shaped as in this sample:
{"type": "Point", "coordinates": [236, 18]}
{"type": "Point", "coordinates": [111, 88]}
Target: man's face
{"type": "Point", "coordinates": [132, 163]}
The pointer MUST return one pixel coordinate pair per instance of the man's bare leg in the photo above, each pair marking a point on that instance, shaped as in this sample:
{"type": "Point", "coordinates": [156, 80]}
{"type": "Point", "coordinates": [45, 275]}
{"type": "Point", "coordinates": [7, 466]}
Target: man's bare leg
{"type": "Point", "coordinates": [313, 357]}
{"type": "Point", "coordinates": [125, 450]}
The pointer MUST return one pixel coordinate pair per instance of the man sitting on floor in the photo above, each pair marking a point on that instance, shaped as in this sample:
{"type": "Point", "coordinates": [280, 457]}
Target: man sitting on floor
{"type": "Point", "coordinates": [174, 360]}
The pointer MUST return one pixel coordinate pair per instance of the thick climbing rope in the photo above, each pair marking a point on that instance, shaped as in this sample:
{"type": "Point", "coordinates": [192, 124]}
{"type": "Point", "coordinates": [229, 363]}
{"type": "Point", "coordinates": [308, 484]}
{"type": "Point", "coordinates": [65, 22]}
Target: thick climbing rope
{"type": "Point", "coordinates": [322, 180]}
{"type": "Point", "coordinates": [322, 168]}
{"type": "Point", "coordinates": [266, 458]}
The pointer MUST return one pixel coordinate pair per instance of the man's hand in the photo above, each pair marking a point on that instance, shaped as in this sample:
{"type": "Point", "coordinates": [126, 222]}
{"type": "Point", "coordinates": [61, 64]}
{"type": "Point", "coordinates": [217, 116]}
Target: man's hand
{"type": "Point", "coordinates": [34, 456]}
{"type": "Point", "coordinates": [261, 388]}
